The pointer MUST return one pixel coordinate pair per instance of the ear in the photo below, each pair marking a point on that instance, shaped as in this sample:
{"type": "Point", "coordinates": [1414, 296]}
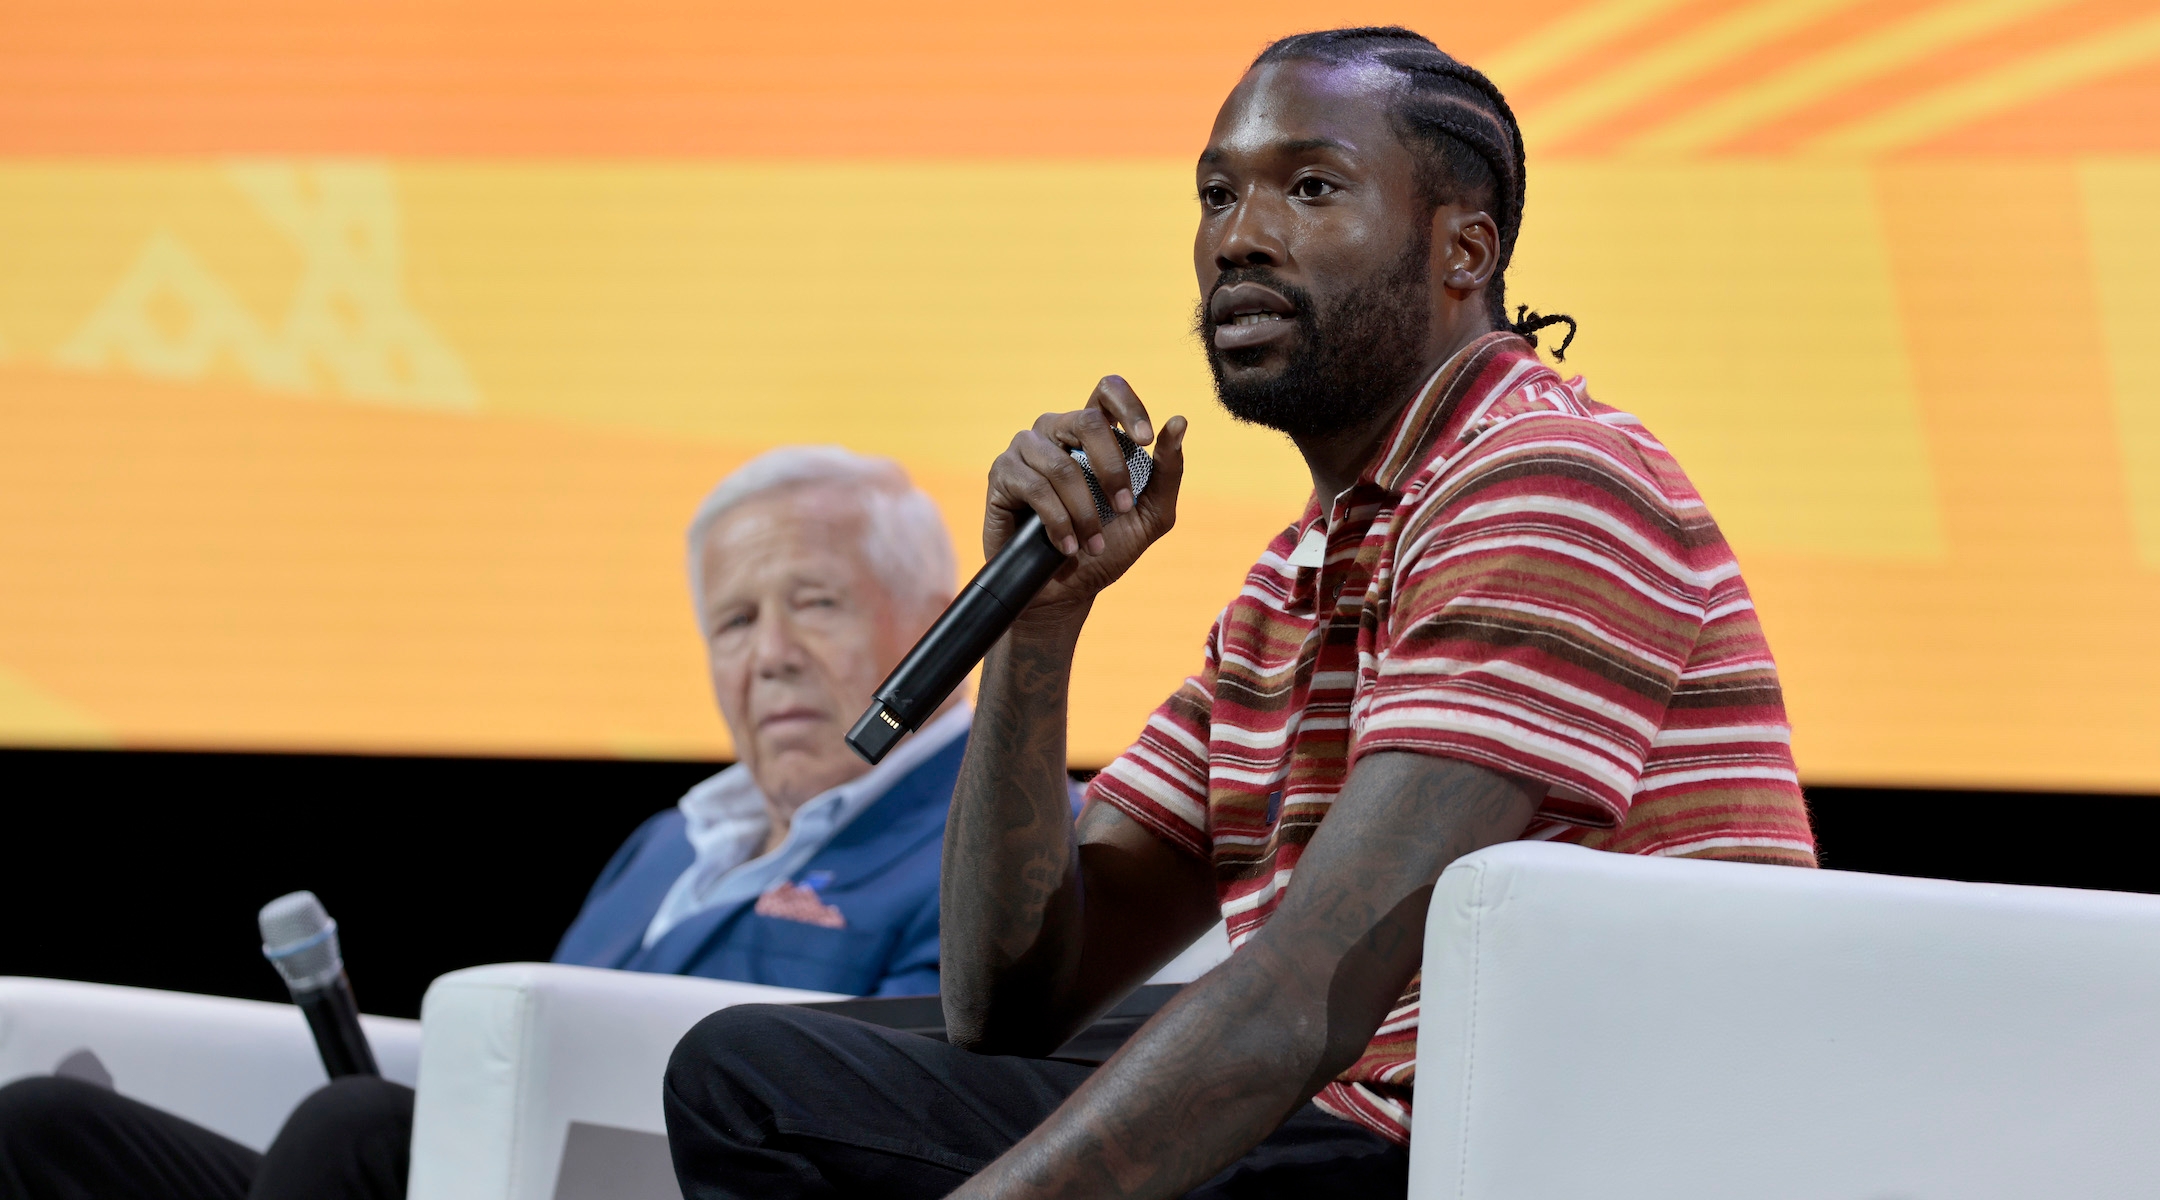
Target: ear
{"type": "Point", "coordinates": [1466, 248]}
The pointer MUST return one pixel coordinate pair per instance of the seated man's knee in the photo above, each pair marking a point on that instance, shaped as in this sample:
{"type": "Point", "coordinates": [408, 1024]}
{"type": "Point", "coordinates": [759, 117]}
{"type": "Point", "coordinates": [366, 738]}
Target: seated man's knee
{"type": "Point", "coordinates": [34, 1107]}
{"type": "Point", "coordinates": [350, 1107]}
{"type": "Point", "coordinates": [745, 1033]}
{"type": "Point", "coordinates": [352, 1137]}
{"type": "Point", "coordinates": [732, 1068]}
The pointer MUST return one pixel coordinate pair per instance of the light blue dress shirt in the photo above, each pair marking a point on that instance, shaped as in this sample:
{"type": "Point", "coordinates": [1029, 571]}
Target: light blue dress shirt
{"type": "Point", "coordinates": [726, 821]}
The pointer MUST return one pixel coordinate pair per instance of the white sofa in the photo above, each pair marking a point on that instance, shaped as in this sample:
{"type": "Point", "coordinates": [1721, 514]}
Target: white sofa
{"type": "Point", "coordinates": [234, 1066]}
{"type": "Point", "coordinates": [535, 1080]}
{"type": "Point", "coordinates": [542, 1082]}
{"type": "Point", "coordinates": [1593, 1025]}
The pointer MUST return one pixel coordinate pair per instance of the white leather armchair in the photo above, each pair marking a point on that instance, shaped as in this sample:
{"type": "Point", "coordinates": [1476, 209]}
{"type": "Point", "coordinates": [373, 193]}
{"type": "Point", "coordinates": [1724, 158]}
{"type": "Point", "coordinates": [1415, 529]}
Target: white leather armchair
{"type": "Point", "coordinates": [234, 1066]}
{"type": "Point", "coordinates": [1613, 1026]}
{"type": "Point", "coordinates": [542, 1082]}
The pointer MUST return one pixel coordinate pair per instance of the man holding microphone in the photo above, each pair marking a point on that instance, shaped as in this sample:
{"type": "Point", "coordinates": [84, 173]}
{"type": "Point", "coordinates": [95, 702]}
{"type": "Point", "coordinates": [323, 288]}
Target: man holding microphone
{"type": "Point", "coordinates": [1504, 613]}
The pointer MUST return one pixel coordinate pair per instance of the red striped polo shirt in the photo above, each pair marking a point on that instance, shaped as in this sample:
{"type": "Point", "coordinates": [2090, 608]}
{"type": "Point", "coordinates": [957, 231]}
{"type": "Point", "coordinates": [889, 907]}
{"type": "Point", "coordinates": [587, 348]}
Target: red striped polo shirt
{"type": "Point", "coordinates": [1523, 579]}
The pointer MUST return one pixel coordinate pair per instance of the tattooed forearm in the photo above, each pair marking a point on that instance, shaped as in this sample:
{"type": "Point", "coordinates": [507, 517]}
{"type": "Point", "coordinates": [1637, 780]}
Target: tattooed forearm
{"type": "Point", "coordinates": [1009, 903]}
{"type": "Point", "coordinates": [1220, 1067]}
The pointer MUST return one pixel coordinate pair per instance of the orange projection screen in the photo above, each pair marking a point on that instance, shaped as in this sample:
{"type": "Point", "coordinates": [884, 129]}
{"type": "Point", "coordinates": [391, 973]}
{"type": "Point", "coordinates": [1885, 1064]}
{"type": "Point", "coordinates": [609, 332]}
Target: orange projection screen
{"type": "Point", "coordinates": [360, 364]}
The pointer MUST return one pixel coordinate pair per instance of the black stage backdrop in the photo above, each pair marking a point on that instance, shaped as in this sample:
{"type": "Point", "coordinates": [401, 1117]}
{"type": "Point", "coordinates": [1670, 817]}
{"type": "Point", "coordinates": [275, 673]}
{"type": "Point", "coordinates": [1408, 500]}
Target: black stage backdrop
{"type": "Point", "coordinates": [146, 868]}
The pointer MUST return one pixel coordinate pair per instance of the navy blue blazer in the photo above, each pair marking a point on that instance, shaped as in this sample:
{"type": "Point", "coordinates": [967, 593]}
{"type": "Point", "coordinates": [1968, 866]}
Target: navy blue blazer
{"type": "Point", "coordinates": [880, 871]}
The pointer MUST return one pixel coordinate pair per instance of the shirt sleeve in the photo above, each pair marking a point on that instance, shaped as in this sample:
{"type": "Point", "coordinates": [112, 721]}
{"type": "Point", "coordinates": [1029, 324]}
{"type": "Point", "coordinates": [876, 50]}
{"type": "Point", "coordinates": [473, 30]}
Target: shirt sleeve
{"type": "Point", "coordinates": [1161, 781]}
{"type": "Point", "coordinates": [1541, 609]}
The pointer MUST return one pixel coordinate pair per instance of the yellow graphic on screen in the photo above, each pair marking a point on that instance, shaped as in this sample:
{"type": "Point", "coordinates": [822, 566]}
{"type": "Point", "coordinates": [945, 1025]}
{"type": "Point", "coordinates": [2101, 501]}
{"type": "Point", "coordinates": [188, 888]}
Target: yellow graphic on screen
{"type": "Point", "coordinates": [1819, 77]}
{"type": "Point", "coordinates": [2121, 200]}
{"type": "Point", "coordinates": [348, 329]}
{"type": "Point", "coordinates": [1783, 263]}
{"type": "Point", "coordinates": [2029, 77]}
{"type": "Point", "coordinates": [30, 714]}
{"type": "Point", "coordinates": [1675, 61]}
{"type": "Point", "coordinates": [1886, 276]}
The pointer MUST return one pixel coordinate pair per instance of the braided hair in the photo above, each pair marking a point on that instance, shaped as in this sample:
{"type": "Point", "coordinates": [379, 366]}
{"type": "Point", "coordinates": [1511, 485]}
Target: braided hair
{"type": "Point", "coordinates": [1473, 149]}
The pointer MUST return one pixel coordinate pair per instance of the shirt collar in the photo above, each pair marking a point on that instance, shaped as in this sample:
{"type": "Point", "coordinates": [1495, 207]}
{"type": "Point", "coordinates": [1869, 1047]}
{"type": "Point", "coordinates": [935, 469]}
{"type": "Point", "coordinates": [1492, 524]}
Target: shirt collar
{"type": "Point", "coordinates": [1457, 394]}
{"type": "Point", "coordinates": [732, 798]}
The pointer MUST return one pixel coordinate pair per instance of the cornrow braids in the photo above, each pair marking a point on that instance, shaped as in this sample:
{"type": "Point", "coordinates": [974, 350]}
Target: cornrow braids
{"type": "Point", "coordinates": [1450, 109]}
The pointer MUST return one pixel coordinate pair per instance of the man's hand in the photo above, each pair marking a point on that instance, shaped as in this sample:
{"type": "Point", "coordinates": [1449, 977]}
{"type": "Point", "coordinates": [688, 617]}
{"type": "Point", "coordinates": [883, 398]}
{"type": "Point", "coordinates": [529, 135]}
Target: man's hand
{"type": "Point", "coordinates": [1239, 1050]}
{"type": "Point", "coordinates": [1037, 473]}
{"type": "Point", "coordinates": [1038, 931]}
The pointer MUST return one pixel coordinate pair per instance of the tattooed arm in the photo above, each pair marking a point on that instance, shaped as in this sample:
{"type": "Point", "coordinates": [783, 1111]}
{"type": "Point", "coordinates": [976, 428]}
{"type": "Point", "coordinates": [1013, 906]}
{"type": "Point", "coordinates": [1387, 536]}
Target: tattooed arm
{"type": "Point", "coordinates": [1041, 927]}
{"type": "Point", "coordinates": [1238, 1051]}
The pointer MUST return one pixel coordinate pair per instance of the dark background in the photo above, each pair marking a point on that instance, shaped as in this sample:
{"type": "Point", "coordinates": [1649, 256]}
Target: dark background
{"type": "Point", "coordinates": [146, 868]}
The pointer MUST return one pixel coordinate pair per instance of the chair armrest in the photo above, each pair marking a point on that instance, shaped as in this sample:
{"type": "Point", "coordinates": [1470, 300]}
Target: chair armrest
{"type": "Point", "coordinates": [1625, 1027]}
{"type": "Point", "coordinates": [513, 1056]}
{"type": "Point", "coordinates": [1211, 951]}
{"type": "Point", "coordinates": [234, 1066]}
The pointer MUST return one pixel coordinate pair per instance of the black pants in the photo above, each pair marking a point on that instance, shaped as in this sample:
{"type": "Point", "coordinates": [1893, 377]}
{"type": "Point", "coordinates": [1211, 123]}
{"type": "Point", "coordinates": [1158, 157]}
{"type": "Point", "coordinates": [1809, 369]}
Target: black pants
{"type": "Point", "coordinates": [63, 1139]}
{"type": "Point", "coordinates": [768, 1102]}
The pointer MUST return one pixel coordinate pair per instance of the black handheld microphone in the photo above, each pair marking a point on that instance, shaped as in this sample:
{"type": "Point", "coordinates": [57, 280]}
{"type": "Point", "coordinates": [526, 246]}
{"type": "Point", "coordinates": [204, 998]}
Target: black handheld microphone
{"type": "Point", "coordinates": [300, 940]}
{"type": "Point", "coordinates": [977, 618]}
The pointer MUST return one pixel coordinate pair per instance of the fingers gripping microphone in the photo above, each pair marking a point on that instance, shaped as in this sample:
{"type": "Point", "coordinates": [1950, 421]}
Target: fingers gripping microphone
{"type": "Point", "coordinates": [300, 940]}
{"type": "Point", "coordinates": [976, 619]}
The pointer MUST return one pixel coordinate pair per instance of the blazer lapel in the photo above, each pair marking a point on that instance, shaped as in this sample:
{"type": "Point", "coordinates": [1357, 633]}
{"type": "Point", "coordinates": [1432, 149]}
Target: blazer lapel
{"type": "Point", "coordinates": [877, 838]}
{"type": "Point", "coordinates": [610, 931]}
{"type": "Point", "coordinates": [915, 807]}
{"type": "Point", "coordinates": [679, 947]}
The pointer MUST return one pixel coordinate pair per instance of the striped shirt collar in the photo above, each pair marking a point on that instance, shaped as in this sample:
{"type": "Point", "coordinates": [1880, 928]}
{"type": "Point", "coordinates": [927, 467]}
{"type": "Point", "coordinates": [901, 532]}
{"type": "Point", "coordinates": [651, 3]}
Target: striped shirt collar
{"type": "Point", "coordinates": [1456, 394]}
{"type": "Point", "coordinates": [1461, 390]}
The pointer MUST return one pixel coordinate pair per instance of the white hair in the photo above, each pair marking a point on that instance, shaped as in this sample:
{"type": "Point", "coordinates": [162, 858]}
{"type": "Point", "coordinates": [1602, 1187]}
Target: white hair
{"type": "Point", "coordinates": [904, 538]}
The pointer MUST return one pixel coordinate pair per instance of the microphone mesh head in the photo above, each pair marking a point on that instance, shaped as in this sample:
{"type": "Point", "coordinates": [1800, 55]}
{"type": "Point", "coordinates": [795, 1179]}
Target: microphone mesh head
{"type": "Point", "coordinates": [300, 940]}
{"type": "Point", "coordinates": [1137, 464]}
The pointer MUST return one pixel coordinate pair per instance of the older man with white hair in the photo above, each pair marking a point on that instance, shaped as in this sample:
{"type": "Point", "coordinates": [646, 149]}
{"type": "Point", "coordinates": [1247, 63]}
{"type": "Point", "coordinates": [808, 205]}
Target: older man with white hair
{"type": "Point", "coordinates": [812, 571]}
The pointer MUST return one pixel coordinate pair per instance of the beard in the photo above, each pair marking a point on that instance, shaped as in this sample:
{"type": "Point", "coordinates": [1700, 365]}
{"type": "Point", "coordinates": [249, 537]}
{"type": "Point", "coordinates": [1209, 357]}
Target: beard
{"type": "Point", "coordinates": [1352, 359]}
